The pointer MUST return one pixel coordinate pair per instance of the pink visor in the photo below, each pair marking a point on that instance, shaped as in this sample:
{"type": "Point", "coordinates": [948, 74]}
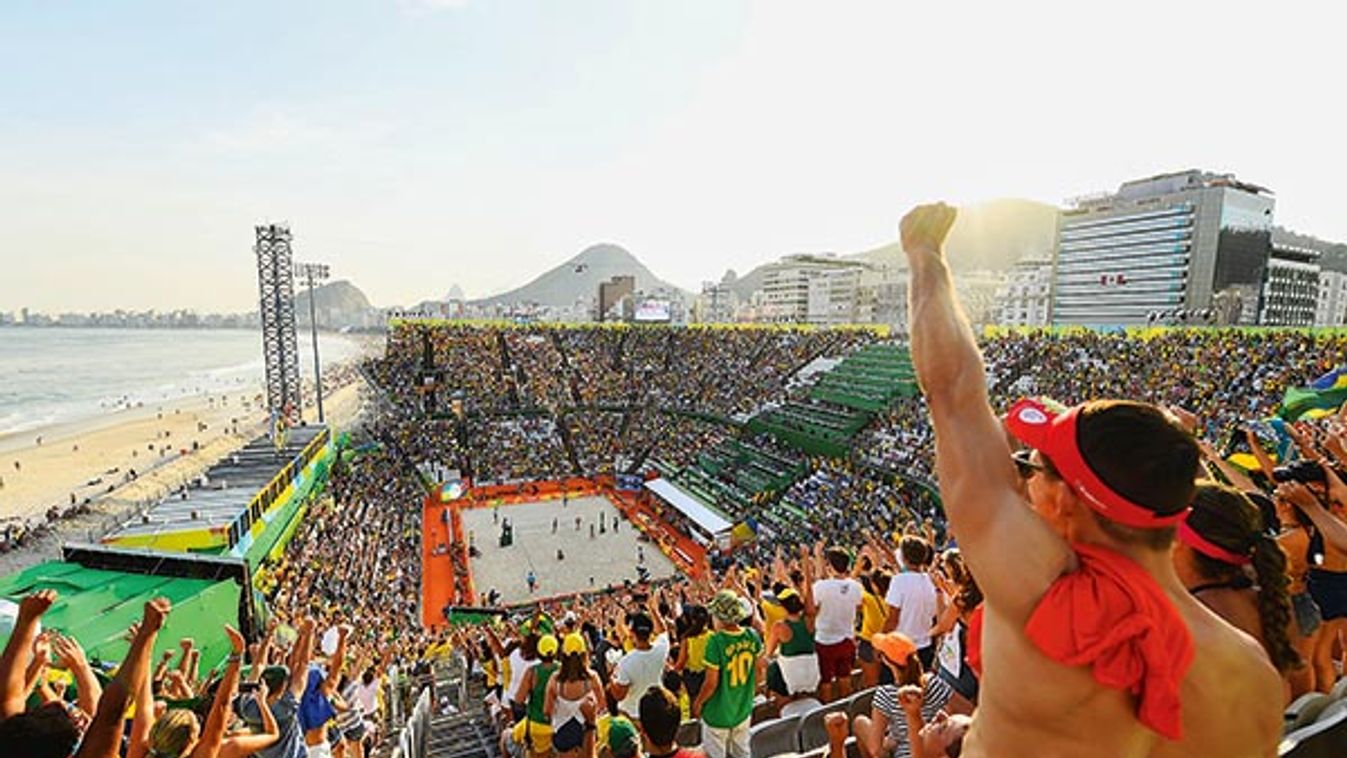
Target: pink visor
{"type": "Point", "coordinates": [1053, 434]}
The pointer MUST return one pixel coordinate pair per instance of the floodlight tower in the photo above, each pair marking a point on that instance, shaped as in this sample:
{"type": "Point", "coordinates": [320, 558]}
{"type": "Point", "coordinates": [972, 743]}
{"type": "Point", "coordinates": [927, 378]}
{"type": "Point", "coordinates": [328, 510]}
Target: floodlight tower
{"type": "Point", "coordinates": [314, 272]}
{"type": "Point", "coordinates": [276, 306]}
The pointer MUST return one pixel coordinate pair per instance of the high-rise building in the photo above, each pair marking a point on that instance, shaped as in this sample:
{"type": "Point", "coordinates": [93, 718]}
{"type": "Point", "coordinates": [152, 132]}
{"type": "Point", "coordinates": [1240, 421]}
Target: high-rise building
{"type": "Point", "coordinates": [1026, 298]}
{"type": "Point", "coordinates": [1187, 247]}
{"type": "Point", "coordinates": [717, 303]}
{"type": "Point", "coordinates": [617, 291]}
{"type": "Point", "coordinates": [1291, 287]}
{"type": "Point", "coordinates": [811, 289]}
{"type": "Point", "coordinates": [1331, 304]}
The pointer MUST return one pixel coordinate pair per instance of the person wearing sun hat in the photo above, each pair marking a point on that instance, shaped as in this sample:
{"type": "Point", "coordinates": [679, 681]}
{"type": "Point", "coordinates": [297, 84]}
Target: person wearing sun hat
{"type": "Point", "coordinates": [733, 660]}
{"type": "Point", "coordinates": [883, 731]}
{"type": "Point", "coordinates": [573, 699]}
{"type": "Point", "coordinates": [534, 731]}
{"type": "Point", "coordinates": [1080, 590]}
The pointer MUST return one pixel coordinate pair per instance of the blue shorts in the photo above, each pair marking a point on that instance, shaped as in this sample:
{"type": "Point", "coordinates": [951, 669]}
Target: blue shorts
{"type": "Point", "coordinates": [1329, 590]}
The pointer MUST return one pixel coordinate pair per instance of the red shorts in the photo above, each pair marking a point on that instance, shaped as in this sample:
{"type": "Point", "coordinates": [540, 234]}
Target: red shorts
{"type": "Point", "coordinates": [835, 661]}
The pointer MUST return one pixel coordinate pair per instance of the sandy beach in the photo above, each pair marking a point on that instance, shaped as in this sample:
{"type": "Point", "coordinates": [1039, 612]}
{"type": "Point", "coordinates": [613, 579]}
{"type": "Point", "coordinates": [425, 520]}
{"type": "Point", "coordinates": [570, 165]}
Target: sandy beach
{"type": "Point", "coordinates": [93, 460]}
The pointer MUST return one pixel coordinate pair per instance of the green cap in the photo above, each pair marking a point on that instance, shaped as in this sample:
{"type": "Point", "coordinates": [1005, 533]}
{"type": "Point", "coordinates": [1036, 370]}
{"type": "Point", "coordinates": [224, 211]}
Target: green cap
{"type": "Point", "coordinates": [622, 737]}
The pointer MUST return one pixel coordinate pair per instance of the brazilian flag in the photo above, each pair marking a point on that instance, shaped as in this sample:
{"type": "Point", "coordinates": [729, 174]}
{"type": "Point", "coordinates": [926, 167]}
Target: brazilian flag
{"type": "Point", "coordinates": [1300, 401]}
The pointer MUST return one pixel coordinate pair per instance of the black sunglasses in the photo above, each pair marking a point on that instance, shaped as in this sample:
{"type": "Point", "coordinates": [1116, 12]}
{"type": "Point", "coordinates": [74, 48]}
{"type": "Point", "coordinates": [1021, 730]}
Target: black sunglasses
{"type": "Point", "coordinates": [1025, 465]}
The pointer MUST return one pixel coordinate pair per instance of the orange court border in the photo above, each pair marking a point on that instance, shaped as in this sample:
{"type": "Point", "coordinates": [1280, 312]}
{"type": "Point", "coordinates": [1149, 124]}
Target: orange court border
{"type": "Point", "coordinates": [446, 576]}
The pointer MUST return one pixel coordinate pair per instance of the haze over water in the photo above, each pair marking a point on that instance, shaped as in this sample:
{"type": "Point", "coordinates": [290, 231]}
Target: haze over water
{"type": "Point", "coordinates": [58, 375]}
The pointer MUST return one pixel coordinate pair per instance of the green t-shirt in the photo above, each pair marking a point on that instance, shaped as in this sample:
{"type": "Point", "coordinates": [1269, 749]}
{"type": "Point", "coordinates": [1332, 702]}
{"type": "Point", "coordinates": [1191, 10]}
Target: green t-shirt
{"type": "Point", "coordinates": [735, 655]}
{"type": "Point", "coordinates": [538, 697]}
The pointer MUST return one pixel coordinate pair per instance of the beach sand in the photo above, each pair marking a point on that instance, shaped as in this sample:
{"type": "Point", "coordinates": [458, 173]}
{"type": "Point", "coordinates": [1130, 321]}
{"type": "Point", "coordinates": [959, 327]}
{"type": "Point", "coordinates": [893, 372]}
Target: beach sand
{"type": "Point", "coordinates": [89, 458]}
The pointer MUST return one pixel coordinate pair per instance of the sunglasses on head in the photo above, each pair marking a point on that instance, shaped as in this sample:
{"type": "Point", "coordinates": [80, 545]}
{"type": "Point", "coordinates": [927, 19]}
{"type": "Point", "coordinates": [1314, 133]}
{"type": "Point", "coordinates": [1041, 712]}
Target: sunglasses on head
{"type": "Point", "coordinates": [1025, 464]}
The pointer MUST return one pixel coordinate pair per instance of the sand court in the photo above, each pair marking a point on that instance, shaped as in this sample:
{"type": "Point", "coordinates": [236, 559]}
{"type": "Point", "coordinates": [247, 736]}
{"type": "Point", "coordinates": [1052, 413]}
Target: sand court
{"type": "Point", "coordinates": [608, 558]}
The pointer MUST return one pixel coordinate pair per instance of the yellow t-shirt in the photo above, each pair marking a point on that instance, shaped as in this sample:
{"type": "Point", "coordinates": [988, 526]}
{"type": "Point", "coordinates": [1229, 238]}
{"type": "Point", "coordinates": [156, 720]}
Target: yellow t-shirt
{"type": "Point", "coordinates": [772, 613]}
{"type": "Point", "coordinates": [873, 613]}
{"type": "Point", "coordinates": [697, 652]}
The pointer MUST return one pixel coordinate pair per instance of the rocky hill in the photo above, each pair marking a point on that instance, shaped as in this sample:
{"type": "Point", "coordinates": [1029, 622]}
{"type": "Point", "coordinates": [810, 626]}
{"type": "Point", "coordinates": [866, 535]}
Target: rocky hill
{"type": "Point", "coordinates": [336, 304]}
{"type": "Point", "coordinates": [579, 277]}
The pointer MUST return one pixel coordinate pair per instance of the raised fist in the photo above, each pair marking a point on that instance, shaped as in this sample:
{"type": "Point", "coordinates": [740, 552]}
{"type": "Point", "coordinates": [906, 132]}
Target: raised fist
{"type": "Point", "coordinates": [155, 612]}
{"type": "Point", "coordinates": [910, 697]}
{"type": "Point", "coordinates": [36, 604]}
{"type": "Point", "coordinates": [924, 229]}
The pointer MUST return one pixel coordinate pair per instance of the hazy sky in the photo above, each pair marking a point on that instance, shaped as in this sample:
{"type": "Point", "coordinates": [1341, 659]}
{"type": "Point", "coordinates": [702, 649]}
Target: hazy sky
{"type": "Point", "coordinates": [417, 144]}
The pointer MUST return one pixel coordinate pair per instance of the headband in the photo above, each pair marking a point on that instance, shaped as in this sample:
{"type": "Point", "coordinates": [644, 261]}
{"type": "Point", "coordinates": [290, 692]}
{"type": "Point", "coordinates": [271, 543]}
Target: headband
{"type": "Point", "coordinates": [1053, 433]}
{"type": "Point", "coordinates": [1188, 536]}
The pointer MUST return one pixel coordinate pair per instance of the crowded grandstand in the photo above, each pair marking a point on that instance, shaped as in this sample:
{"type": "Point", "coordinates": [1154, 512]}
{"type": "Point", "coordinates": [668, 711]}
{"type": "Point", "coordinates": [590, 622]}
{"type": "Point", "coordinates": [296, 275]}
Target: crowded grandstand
{"type": "Point", "coordinates": [829, 500]}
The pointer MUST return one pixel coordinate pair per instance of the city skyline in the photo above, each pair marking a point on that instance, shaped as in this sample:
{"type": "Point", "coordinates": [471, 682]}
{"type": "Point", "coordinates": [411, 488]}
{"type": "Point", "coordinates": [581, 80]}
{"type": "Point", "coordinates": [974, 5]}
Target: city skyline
{"type": "Point", "coordinates": [417, 145]}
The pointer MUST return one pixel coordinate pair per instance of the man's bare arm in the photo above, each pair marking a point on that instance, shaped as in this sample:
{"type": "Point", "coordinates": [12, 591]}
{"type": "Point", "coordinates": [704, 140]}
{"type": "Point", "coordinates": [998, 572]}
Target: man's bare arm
{"type": "Point", "coordinates": [18, 651]}
{"type": "Point", "coordinates": [103, 737]}
{"type": "Point", "coordinates": [299, 658]}
{"type": "Point", "coordinates": [1014, 554]}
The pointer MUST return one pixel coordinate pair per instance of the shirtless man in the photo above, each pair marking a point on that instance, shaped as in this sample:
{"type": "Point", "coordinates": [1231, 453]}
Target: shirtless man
{"type": "Point", "coordinates": [1188, 684]}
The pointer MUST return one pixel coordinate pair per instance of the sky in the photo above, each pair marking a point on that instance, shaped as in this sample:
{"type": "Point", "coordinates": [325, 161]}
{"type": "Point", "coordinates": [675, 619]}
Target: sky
{"type": "Point", "coordinates": [418, 144]}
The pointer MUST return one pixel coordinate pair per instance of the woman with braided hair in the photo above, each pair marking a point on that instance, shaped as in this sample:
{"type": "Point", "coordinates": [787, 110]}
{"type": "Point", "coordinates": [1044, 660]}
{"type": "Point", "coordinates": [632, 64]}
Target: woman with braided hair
{"type": "Point", "coordinates": [1219, 543]}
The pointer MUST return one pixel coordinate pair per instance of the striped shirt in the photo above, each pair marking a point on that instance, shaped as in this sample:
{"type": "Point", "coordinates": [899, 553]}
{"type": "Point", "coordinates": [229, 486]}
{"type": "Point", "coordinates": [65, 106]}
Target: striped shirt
{"type": "Point", "coordinates": [886, 702]}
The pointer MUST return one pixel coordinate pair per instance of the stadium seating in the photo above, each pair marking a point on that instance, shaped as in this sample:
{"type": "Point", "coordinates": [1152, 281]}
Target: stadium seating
{"type": "Point", "coordinates": [861, 702]}
{"type": "Point", "coordinates": [1325, 738]}
{"type": "Point", "coordinates": [1306, 709]}
{"type": "Point", "coordinates": [690, 733]}
{"type": "Point", "coordinates": [775, 737]}
{"type": "Point", "coordinates": [1339, 691]}
{"type": "Point", "coordinates": [813, 734]}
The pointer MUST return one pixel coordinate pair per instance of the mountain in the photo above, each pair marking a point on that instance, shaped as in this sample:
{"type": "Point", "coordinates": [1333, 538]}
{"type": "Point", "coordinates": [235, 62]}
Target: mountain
{"type": "Point", "coordinates": [579, 277]}
{"type": "Point", "coordinates": [989, 236]}
{"type": "Point", "coordinates": [336, 304]}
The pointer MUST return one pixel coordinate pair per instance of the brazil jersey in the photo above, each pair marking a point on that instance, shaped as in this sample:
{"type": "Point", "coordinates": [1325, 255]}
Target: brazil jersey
{"type": "Point", "coordinates": [735, 655]}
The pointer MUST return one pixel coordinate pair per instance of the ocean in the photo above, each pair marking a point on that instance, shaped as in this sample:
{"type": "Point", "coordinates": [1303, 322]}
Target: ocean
{"type": "Point", "coordinates": [59, 375]}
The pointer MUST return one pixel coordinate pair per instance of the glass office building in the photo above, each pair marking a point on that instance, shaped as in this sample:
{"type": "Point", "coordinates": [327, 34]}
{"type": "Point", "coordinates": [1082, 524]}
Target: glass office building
{"type": "Point", "coordinates": [1190, 247]}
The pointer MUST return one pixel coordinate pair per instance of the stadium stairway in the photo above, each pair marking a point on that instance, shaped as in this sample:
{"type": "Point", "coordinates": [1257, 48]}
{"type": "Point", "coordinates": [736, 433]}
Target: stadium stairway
{"type": "Point", "coordinates": [464, 733]}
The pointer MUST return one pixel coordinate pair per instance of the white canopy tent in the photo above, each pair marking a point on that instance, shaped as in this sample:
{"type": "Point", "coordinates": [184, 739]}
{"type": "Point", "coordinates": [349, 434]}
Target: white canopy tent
{"type": "Point", "coordinates": [712, 523]}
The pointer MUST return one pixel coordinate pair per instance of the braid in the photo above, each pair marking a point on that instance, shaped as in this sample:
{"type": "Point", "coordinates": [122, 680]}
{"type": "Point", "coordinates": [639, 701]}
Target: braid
{"type": "Point", "coordinates": [1274, 605]}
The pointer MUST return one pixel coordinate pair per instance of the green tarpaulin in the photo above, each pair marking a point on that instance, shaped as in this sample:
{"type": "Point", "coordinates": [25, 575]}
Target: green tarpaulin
{"type": "Point", "coordinates": [97, 607]}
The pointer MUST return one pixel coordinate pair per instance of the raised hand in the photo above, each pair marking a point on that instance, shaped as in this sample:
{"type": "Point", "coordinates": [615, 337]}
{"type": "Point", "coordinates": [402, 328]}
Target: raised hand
{"type": "Point", "coordinates": [236, 641]}
{"type": "Point", "coordinates": [924, 229]}
{"type": "Point", "coordinates": [155, 612]}
{"type": "Point", "coordinates": [68, 652]}
{"type": "Point", "coordinates": [1296, 494]}
{"type": "Point", "coordinates": [911, 698]}
{"type": "Point", "coordinates": [36, 604]}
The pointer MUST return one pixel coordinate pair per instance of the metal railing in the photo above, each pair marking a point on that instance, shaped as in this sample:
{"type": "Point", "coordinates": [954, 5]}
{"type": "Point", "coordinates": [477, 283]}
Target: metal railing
{"type": "Point", "coordinates": [413, 737]}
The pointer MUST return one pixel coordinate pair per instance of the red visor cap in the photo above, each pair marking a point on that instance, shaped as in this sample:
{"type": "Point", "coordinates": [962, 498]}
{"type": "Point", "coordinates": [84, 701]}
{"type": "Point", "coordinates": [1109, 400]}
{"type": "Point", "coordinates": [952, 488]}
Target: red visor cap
{"type": "Point", "coordinates": [1052, 432]}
